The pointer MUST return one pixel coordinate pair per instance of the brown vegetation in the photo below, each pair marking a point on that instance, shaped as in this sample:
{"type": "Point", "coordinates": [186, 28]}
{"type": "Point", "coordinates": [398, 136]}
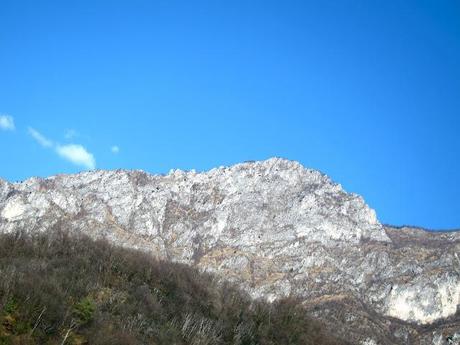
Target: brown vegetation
{"type": "Point", "coordinates": [62, 289]}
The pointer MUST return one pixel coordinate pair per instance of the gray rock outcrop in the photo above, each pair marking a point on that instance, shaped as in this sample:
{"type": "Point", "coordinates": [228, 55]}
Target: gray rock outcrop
{"type": "Point", "coordinates": [273, 227]}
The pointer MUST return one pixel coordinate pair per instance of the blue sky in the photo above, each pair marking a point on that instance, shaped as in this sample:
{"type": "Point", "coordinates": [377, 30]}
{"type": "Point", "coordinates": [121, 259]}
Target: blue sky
{"type": "Point", "coordinates": [366, 91]}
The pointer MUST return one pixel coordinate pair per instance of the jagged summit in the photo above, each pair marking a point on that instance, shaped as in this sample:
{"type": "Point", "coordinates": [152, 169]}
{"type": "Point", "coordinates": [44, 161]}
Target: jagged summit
{"type": "Point", "coordinates": [258, 197]}
{"type": "Point", "coordinates": [274, 227]}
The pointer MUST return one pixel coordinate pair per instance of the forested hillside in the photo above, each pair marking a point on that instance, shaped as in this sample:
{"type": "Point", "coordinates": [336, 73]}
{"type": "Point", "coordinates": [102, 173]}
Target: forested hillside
{"type": "Point", "coordinates": [61, 289]}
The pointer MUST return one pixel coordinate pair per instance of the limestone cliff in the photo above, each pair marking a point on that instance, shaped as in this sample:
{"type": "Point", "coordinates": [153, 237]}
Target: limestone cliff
{"type": "Point", "coordinates": [275, 228]}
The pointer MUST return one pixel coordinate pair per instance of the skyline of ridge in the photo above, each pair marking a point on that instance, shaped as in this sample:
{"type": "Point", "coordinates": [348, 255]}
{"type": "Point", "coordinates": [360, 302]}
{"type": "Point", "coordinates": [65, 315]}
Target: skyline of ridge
{"type": "Point", "coordinates": [367, 92]}
{"type": "Point", "coordinates": [248, 163]}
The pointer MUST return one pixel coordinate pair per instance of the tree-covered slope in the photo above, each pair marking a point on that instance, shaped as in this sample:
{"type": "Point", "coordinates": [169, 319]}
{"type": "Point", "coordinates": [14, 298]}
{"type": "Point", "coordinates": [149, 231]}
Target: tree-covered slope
{"type": "Point", "coordinates": [61, 289]}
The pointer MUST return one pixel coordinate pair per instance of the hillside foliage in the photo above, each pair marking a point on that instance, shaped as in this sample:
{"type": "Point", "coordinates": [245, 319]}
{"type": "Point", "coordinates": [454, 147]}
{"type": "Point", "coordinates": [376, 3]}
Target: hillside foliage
{"type": "Point", "coordinates": [57, 288]}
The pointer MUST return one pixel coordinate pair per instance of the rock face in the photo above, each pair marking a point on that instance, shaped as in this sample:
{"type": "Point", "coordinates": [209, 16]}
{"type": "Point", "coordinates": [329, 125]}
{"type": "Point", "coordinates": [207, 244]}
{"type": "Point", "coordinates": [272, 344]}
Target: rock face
{"type": "Point", "coordinates": [273, 227]}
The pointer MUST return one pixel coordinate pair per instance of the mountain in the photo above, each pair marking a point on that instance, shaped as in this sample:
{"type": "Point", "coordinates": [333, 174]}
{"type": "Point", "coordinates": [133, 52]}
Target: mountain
{"type": "Point", "coordinates": [274, 228]}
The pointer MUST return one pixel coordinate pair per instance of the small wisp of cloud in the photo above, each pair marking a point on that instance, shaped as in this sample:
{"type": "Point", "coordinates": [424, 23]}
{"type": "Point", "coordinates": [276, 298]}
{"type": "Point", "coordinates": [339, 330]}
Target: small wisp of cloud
{"type": "Point", "coordinates": [70, 134]}
{"type": "Point", "coordinates": [74, 153]}
{"type": "Point", "coordinates": [40, 138]}
{"type": "Point", "coordinates": [77, 154]}
{"type": "Point", "coordinates": [7, 123]}
{"type": "Point", "coordinates": [115, 149]}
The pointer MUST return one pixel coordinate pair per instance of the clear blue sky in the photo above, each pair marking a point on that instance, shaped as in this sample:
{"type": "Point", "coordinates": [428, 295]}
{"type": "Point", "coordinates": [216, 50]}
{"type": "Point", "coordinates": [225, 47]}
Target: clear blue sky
{"type": "Point", "coordinates": [366, 91]}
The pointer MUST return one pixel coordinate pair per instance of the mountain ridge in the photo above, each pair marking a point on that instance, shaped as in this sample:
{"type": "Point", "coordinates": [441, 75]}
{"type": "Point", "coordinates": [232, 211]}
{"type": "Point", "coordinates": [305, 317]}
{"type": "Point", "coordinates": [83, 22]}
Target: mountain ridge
{"type": "Point", "coordinates": [273, 227]}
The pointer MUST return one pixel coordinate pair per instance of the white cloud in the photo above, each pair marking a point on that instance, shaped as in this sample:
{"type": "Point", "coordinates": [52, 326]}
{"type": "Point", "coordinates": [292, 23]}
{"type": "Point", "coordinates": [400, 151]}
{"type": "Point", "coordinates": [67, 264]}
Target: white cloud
{"type": "Point", "coordinates": [115, 149]}
{"type": "Point", "coordinates": [73, 153]}
{"type": "Point", "coordinates": [7, 122]}
{"type": "Point", "coordinates": [76, 154]}
{"type": "Point", "coordinates": [40, 138]}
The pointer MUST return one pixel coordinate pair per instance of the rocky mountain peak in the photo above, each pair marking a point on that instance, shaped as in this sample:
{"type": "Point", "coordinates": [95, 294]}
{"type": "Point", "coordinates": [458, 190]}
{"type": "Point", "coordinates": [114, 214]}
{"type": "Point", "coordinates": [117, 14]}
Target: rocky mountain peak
{"type": "Point", "coordinates": [276, 197]}
{"type": "Point", "coordinates": [273, 227]}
